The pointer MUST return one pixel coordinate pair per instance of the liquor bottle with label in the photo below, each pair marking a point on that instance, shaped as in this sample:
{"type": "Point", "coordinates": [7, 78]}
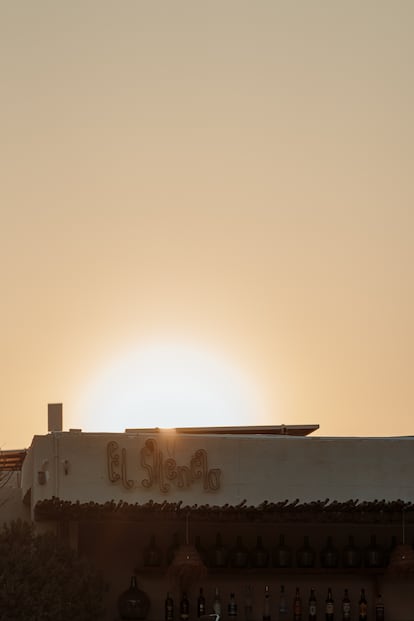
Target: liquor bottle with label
{"type": "Point", "coordinates": [259, 555]}
{"type": "Point", "coordinates": [346, 606]}
{"type": "Point", "coordinates": [329, 555]}
{"type": "Point", "coordinates": [379, 608]}
{"type": "Point", "coordinates": [351, 554]}
{"type": "Point", "coordinates": [217, 602]}
{"type": "Point", "coordinates": [169, 608]}
{"type": "Point", "coordinates": [282, 607]}
{"type": "Point", "coordinates": [219, 554]}
{"type": "Point", "coordinates": [306, 554]}
{"type": "Point", "coordinates": [248, 604]}
{"type": "Point", "coordinates": [232, 607]}
{"type": "Point", "coordinates": [201, 603]}
{"type": "Point", "coordinates": [363, 606]}
{"type": "Point", "coordinates": [152, 554]}
{"type": "Point", "coordinates": [184, 607]}
{"type": "Point", "coordinates": [267, 614]}
{"type": "Point", "coordinates": [374, 554]}
{"type": "Point", "coordinates": [239, 555]}
{"type": "Point", "coordinates": [297, 606]}
{"type": "Point", "coordinates": [329, 606]}
{"type": "Point", "coordinates": [312, 605]}
{"type": "Point", "coordinates": [282, 554]}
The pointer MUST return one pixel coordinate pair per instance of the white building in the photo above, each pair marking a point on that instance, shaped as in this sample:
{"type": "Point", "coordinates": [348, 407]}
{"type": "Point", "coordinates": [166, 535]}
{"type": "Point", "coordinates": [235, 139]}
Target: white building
{"type": "Point", "coordinates": [108, 493]}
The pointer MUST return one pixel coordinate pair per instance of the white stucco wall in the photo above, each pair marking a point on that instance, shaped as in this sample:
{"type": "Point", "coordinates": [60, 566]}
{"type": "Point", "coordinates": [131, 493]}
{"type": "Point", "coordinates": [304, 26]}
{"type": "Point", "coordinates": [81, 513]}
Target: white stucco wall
{"type": "Point", "coordinates": [255, 468]}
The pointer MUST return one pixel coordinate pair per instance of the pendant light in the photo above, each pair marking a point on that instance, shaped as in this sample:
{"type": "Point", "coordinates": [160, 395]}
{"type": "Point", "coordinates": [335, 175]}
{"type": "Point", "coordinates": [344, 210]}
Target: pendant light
{"type": "Point", "coordinates": [187, 566]}
{"type": "Point", "coordinates": [402, 556]}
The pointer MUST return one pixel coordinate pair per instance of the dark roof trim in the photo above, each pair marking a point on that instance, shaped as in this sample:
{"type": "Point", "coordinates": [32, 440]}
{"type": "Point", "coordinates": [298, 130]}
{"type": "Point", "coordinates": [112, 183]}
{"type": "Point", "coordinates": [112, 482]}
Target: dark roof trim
{"type": "Point", "coordinates": [268, 430]}
{"type": "Point", "coordinates": [352, 511]}
{"type": "Point", "coordinates": [12, 461]}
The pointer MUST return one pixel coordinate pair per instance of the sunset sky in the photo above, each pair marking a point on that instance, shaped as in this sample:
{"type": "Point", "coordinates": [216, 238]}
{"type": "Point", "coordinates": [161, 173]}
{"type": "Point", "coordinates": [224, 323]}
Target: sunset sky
{"type": "Point", "coordinates": [207, 207]}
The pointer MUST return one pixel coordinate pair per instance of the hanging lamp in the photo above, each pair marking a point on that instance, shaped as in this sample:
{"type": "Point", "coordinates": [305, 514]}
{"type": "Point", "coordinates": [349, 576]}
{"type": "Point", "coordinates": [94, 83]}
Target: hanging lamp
{"type": "Point", "coordinates": [187, 565]}
{"type": "Point", "coordinates": [402, 556]}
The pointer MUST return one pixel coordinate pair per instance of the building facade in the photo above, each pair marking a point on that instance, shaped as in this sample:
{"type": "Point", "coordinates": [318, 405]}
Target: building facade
{"type": "Point", "coordinates": [123, 500]}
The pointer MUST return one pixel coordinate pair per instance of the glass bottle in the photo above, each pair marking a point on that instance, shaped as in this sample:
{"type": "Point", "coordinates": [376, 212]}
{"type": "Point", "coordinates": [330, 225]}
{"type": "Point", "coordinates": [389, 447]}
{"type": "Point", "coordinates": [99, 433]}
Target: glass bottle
{"type": "Point", "coordinates": [306, 554]}
{"type": "Point", "coordinates": [184, 607]}
{"type": "Point", "coordinates": [133, 603]}
{"type": "Point", "coordinates": [374, 554]}
{"type": "Point", "coordinates": [329, 606]}
{"type": "Point", "coordinates": [152, 554]}
{"type": "Point", "coordinates": [312, 605]}
{"type": "Point", "coordinates": [232, 607]}
{"type": "Point", "coordinates": [217, 602]}
{"type": "Point", "coordinates": [260, 555]}
{"type": "Point", "coordinates": [282, 607]}
{"type": "Point", "coordinates": [282, 554]}
{"type": "Point", "coordinates": [267, 614]}
{"type": "Point", "coordinates": [169, 608]}
{"type": "Point", "coordinates": [346, 606]}
{"type": "Point", "coordinates": [329, 555]}
{"type": "Point", "coordinates": [201, 603]}
{"type": "Point", "coordinates": [297, 606]}
{"type": "Point", "coordinates": [351, 555]}
{"type": "Point", "coordinates": [219, 554]}
{"type": "Point", "coordinates": [239, 555]}
{"type": "Point", "coordinates": [362, 606]}
{"type": "Point", "coordinates": [379, 608]}
{"type": "Point", "coordinates": [248, 604]}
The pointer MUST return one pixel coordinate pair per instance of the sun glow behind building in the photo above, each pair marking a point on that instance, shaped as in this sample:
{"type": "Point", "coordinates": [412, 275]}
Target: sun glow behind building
{"type": "Point", "coordinates": [169, 385]}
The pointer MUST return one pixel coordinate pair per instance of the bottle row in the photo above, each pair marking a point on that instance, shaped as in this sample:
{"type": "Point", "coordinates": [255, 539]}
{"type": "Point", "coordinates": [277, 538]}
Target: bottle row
{"type": "Point", "coordinates": [347, 609]}
{"type": "Point", "coordinates": [282, 555]}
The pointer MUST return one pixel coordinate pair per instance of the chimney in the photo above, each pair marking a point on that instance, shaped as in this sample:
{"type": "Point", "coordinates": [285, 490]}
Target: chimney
{"type": "Point", "coordinates": [54, 416]}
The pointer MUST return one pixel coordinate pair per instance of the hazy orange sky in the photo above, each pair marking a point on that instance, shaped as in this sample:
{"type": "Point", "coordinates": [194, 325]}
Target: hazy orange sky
{"type": "Point", "coordinates": [231, 177]}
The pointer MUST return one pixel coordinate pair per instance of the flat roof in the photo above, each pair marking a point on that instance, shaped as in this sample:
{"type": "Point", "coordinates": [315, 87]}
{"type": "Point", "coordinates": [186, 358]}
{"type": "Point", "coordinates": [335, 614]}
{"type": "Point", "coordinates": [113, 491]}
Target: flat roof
{"type": "Point", "coordinates": [269, 430]}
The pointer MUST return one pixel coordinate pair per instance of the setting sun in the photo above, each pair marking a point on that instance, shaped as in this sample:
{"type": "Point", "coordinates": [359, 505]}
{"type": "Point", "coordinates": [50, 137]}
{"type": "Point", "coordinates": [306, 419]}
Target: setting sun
{"type": "Point", "coordinates": [168, 385]}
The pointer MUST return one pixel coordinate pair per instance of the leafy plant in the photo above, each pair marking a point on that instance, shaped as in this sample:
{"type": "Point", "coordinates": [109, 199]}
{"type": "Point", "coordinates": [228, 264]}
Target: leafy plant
{"type": "Point", "coordinates": [43, 580]}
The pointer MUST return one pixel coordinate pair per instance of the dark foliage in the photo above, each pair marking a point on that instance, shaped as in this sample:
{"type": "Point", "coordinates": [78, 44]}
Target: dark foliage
{"type": "Point", "coordinates": [42, 580]}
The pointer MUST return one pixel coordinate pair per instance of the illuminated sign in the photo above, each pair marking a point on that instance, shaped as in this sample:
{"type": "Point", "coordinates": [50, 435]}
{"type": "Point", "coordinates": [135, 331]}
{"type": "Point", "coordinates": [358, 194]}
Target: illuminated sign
{"type": "Point", "coordinates": [160, 471]}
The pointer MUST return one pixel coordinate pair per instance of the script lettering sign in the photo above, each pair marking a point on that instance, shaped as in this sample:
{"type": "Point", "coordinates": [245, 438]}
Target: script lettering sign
{"type": "Point", "coordinates": [160, 471]}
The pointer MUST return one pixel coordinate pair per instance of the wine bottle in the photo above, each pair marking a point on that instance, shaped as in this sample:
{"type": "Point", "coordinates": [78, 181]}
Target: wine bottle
{"type": "Point", "coordinates": [312, 605]}
{"type": "Point", "coordinates": [267, 615]}
{"type": "Point", "coordinates": [239, 555]}
{"type": "Point", "coordinates": [282, 554]}
{"type": "Point", "coordinates": [169, 608]}
{"type": "Point", "coordinates": [217, 602]}
{"type": "Point", "coordinates": [379, 608]}
{"type": "Point", "coordinates": [232, 607]}
{"type": "Point", "coordinates": [351, 555]}
{"type": "Point", "coordinates": [297, 606]}
{"type": "Point", "coordinates": [346, 606]}
{"type": "Point", "coordinates": [248, 604]}
{"type": "Point", "coordinates": [184, 607]}
{"type": "Point", "coordinates": [363, 606]}
{"type": "Point", "coordinates": [260, 555]}
{"type": "Point", "coordinates": [306, 554]}
{"type": "Point", "coordinates": [374, 554]}
{"type": "Point", "coordinates": [219, 553]}
{"type": "Point", "coordinates": [329, 555]}
{"type": "Point", "coordinates": [152, 554]}
{"type": "Point", "coordinates": [282, 607]}
{"type": "Point", "coordinates": [201, 603]}
{"type": "Point", "coordinates": [329, 606]}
